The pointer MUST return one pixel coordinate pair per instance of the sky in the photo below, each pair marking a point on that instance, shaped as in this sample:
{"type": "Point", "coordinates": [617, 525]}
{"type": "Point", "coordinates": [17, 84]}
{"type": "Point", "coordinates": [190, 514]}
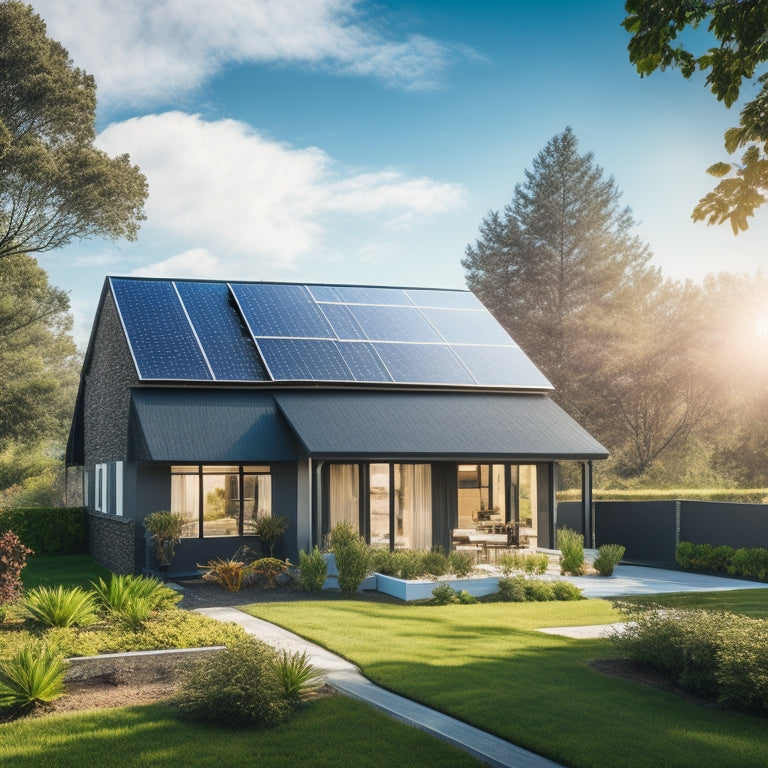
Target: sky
{"type": "Point", "coordinates": [363, 141]}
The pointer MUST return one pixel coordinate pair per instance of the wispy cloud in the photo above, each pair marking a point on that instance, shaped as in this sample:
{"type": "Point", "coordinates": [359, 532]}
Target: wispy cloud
{"type": "Point", "coordinates": [144, 51]}
{"type": "Point", "coordinates": [225, 188]}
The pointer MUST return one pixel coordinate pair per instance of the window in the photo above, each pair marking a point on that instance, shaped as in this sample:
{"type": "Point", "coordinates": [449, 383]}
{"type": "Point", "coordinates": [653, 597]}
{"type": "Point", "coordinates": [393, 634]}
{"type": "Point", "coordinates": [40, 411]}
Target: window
{"type": "Point", "coordinates": [108, 488]}
{"type": "Point", "coordinates": [220, 500]}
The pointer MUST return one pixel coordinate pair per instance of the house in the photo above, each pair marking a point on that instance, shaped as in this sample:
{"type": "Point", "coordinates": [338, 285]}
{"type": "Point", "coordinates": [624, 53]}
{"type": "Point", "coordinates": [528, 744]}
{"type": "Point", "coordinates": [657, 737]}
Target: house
{"type": "Point", "coordinates": [410, 413]}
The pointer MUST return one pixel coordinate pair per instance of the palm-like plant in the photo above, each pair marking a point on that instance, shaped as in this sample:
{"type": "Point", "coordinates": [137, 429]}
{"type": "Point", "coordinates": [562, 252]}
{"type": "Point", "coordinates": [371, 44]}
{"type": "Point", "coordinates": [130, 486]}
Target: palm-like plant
{"type": "Point", "coordinates": [60, 607]}
{"type": "Point", "coordinates": [122, 589]}
{"type": "Point", "coordinates": [295, 673]}
{"type": "Point", "coordinates": [31, 678]}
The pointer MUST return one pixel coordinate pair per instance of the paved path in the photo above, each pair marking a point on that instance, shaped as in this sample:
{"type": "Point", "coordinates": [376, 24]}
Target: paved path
{"type": "Point", "coordinates": [346, 678]}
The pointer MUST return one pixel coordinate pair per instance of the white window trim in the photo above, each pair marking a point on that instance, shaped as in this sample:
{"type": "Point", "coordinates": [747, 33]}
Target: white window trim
{"type": "Point", "coordinates": [119, 488]}
{"type": "Point", "coordinates": [101, 485]}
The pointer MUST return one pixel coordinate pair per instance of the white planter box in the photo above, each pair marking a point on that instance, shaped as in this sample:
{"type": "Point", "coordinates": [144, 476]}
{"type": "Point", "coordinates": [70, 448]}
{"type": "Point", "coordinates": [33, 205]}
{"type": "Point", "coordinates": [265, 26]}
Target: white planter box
{"type": "Point", "coordinates": [407, 590]}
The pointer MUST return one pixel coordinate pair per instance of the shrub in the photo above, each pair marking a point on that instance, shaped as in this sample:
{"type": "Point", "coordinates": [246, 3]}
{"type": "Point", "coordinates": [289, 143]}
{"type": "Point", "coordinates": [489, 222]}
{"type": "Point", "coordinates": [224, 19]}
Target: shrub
{"type": "Point", "coordinates": [60, 607]}
{"type": "Point", "coordinates": [683, 644]}
{"type": "Point", "coordinates": [444, 594]}
{"type": "Point", "coordinates": [48, 530]}
{"type": "Point", "coordinates": [511, 590]}
{"type": "Point", "coordinates": [750, 563]}
{"type": "Point", "coordinates": [571, 545]}
{"type": "Point", "coordinates": [461, 563]}
{"type": "Point", "coordinates": [434, 563]}
{"type": "Point", "coordinates": [30, 678]}
{"type": "Point", "coordinates": [295, 674]}
{"type": "Point", "coordinates": [352, 556]}
{"type": "Point", "coordinates": [383, 561]}
{"type": "Point", "coordinates": [703, 557]}
{"type": "Point", "coordinates": [408, 564]}
{"type": "Point", "coordinates": [13, 557]}
{"type": "Point", "coordinates": [609, 556]}
{"type": "Point", "coordinates": [269, 528]}
{"type": "Point", "coordinates": [564, 590]}
{"type": "Point", "coordinates": [268, 570]}
{"type": "Point", "coordinates": [538, 591]}
{"type": "Point", "coordinates": [235, 687]}
{"type": "Point", "coordinates": [742, 673]}
{"type": "Point", "coordinates": [313, 570]}
{"type": "Point", "coordinates": [465, 598]}
{"type": "Point", "coordinates": [532, 563]}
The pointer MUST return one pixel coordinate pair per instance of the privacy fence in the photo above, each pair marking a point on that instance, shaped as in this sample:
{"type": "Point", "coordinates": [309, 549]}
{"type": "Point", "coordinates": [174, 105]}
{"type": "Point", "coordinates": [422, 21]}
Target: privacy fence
{"type": "Point", "coordinates": [651, 530]}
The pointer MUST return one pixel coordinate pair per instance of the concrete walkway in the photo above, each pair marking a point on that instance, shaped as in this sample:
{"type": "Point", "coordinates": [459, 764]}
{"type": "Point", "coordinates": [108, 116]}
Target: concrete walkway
{"type": "Point", "coordinates": [346, 678]}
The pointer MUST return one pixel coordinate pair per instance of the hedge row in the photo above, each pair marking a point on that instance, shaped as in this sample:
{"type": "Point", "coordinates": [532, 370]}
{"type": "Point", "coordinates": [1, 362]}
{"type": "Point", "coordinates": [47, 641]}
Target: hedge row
{"type": "Point", "coordinates": [736, 495]}
{"type": "Point", "coordinates": [747, 563]}
{"type": "Point", "coordinates": [47, 530]}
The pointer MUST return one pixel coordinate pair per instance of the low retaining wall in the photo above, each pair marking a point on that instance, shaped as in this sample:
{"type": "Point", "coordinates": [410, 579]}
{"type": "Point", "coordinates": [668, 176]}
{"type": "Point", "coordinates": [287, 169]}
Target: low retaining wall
{"type": "Point", "coordinates": [162, 662]}
{"type": "Point", "coordinates": [405, 589]}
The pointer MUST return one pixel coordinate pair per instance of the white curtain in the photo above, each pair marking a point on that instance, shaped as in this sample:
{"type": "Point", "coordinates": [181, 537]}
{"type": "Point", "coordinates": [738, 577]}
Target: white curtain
{"type": "Point", "coordinates": [344, 491]}
{"type": "Point", "coordinates": [422, 506]}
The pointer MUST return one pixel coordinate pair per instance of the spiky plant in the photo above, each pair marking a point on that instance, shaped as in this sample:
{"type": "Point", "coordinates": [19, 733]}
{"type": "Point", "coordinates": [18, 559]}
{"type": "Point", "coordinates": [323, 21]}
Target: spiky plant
{"type": "Point", "coordinates": [31, 678]}
{"type": "Point", "coordinates": [60, 607]}
{"type": "Point", "coordinates": [122, 589]}
{"type": "Point", "coordinates": [295, 673]}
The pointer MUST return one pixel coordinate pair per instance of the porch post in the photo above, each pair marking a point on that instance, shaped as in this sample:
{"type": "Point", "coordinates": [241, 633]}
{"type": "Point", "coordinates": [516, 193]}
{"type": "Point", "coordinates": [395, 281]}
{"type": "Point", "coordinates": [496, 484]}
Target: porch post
{"type": "Point", "coordinates": [586, 501]}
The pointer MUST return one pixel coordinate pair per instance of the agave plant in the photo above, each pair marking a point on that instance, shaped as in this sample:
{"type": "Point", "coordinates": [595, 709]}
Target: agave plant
{"type": "Point", "coordinates": [31, 678]}
{"type": "Point", "coordinates": [60, 607]}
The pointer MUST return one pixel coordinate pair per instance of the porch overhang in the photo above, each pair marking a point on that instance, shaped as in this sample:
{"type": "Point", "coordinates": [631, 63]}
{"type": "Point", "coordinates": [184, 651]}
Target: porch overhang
{"type": "Point", "coordinates": [437, 426]}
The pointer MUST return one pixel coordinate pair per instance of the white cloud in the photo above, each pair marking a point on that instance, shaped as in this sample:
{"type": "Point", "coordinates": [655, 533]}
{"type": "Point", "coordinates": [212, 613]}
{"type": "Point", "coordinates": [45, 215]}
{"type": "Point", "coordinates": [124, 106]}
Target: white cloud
{"type": "Point", "coordinates": [197, 262]}
{"type": "Point", "coordinates": [145, 51]}
{"type": "Point", "coordinates": [226, 188]}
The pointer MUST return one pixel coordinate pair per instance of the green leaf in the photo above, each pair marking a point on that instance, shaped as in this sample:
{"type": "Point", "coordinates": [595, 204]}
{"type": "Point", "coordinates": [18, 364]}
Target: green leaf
{"type": "Point", "coordinates": [719, 169]}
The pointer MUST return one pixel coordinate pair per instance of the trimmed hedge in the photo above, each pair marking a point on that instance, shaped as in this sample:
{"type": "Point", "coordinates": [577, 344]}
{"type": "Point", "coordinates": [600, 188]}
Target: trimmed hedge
{"type": "Point", "coordinates": [746, 563]}
{"type": "Point", "coordinates": [737, 495]}
{"type": "Point", "coordinates": [48, 530]}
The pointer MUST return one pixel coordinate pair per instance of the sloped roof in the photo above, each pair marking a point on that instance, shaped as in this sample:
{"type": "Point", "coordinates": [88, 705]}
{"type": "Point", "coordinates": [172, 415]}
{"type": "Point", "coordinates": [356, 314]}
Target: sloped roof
{"type": "Point", "coordinates": [439, 425]}
{"type": "Point", "coordinates": [267, 333]}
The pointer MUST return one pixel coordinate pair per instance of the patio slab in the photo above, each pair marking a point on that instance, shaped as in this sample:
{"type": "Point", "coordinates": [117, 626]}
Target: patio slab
{"type": "Point", "coordinates": [641, 580]}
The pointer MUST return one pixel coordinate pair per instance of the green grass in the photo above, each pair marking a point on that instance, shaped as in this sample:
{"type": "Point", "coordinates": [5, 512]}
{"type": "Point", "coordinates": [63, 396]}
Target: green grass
{"type": "Point", "coordinates": [67, 570]}
{"type": "Point", "coordinates": [750, 602]}
{"type": "Point", "coordinates": [487, 665]}
{"type": "Point", "coordinates": [328, 733]}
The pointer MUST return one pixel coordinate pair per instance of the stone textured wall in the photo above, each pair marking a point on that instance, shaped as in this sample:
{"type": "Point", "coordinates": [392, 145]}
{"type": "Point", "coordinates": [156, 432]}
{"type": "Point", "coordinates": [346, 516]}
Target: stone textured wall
{"type": "Point", "coordinates": [108, 382]}
{"type": "Point", "coordinates": [111, 542]}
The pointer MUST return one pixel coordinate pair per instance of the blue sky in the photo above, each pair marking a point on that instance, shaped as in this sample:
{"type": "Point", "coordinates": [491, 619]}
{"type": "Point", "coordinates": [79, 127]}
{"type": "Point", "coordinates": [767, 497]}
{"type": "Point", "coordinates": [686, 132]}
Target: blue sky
{"type": "Point", "coordinates": [363, 142]}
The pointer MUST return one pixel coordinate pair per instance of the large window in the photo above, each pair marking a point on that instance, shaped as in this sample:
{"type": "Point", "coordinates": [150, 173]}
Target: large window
{"type": "Point", "coordinates": [220, 500]}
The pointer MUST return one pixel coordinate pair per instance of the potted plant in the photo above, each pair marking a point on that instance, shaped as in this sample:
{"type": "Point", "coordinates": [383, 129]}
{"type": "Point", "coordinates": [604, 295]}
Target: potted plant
{"type": "Point", "coordinates": [164, 530]}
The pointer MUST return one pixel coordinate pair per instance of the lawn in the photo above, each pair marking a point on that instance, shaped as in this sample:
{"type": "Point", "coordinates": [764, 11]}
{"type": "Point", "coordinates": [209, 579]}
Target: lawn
{"type": "Point", "coordinates": [487, 665]}
{"type": "Point", "coordinates": [328, 733]}
{"type": "Point", "coordinates": [67, 570]}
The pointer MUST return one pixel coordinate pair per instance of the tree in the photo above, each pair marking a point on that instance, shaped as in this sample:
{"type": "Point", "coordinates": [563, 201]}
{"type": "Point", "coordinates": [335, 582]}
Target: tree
{"type": "Point", "coordinates": [39, 365]}
{"type": "Point", "coordinates": [55, 186]}
{"type": "Point", "coordinates": [741, 27]}
{"type": "Point", "coordinates": [558, 266]}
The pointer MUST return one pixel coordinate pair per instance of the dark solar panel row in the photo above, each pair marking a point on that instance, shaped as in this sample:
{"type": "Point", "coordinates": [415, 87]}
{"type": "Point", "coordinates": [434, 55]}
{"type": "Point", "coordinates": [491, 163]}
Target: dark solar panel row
{"type": "Point", "coordinates": [202, 331]}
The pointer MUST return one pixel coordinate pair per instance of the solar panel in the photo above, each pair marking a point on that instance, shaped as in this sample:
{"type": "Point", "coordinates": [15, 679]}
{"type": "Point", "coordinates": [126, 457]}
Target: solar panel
{"type": "Point", "coordinates": [203, 331]}
{"type": "Point", "coordinates": [161, 338]}
{"type": "Point", "coordinates": [461, 326]}
{"type": "Point", "coordinates": [423, 364]}
{"type": "Point", "coordinates": [394, 324]}
{"type": "Point", "coordinates": [228, 346]}
{"type": "Point", "coordinates": [362, 294]}
{"type": "Point", "coordinates": [423, 297]}
{"type": "Point", "coordinates": [363, 361]}
{"type": "Point", "coordinates": [342, 321]}
{"type": "Point", "coordinates": [499, 366]}
{"type": "Point", "coordinates": [304, 360]}
{"type": "Point", "coordinates": [281, 310]}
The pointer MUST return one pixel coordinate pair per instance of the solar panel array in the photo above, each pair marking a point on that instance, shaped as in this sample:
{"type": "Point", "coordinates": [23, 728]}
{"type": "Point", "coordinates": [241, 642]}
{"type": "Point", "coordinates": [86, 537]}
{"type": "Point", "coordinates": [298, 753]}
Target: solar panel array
{"type": "Point", "coordinates": [188, 330]}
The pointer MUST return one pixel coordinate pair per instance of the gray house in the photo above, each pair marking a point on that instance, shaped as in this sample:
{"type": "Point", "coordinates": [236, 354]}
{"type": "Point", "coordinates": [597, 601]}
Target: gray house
{"type": "Point", "coordinates": [408, 412]}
